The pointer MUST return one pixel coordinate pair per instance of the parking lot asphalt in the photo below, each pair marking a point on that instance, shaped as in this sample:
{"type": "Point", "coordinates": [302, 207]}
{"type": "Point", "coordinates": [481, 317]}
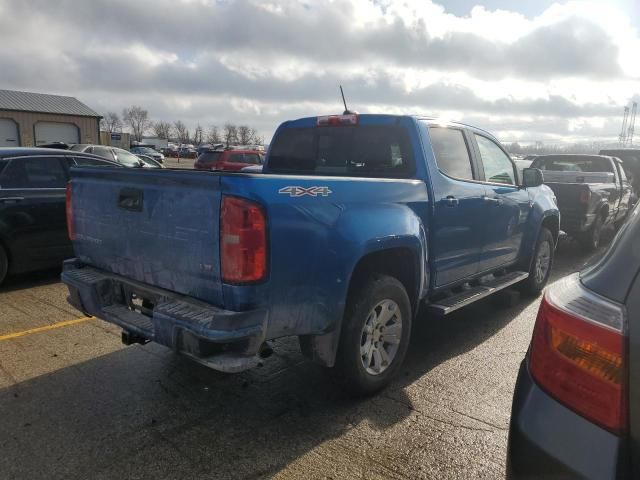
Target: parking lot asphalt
{"type": "Point", "coordinates": [76, 404]}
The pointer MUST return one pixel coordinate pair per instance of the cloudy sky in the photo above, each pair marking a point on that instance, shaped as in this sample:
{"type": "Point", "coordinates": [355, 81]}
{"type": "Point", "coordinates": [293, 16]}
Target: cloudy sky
{"type": "Point", "coordinates": [526, 70]}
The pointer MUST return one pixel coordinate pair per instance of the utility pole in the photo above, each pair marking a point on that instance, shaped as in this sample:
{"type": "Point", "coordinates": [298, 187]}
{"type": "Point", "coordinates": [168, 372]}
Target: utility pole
{"type": "Point", "coordinates": [623, 132]}
{"type": "Point", "coordinates": [632, 123]}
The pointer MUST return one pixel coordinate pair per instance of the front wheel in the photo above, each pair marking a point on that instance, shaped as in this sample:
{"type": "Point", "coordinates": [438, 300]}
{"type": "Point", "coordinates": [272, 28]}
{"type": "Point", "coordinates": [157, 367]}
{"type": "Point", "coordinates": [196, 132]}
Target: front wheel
{"type": "Point", "coordinates": [375, 334]}
{"type": "Point", "coordinates": [541, 264]}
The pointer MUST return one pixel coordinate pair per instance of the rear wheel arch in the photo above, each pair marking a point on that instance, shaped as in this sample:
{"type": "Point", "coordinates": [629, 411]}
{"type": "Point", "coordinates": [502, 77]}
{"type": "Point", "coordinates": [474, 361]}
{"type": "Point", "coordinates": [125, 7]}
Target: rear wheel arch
{"type": "Point", "coordinates": [402, 263]}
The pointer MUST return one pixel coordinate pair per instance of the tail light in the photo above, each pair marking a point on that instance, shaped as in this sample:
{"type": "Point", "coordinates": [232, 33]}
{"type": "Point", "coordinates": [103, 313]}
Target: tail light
{"type": "Point", "coordinates": [243, 241]}
{"type": "Point", "coordinates": [338, 120]}
{"type": "Point", "coordinates": [578, 353]}
{"type": "Point", "coordinates": [585, 196]}
{"type": "Point", "coordinates": [71, 231]}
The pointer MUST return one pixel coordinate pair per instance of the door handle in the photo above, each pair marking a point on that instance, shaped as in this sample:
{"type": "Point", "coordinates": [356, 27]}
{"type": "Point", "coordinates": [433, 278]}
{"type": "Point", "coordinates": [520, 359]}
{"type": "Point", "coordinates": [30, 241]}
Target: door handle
{"type": "Point", "coordinates": [451, 201]}
{"type": "Point", "coordinates": [495, 202]}
{"type": "Point", "coordinates": [11, 199]}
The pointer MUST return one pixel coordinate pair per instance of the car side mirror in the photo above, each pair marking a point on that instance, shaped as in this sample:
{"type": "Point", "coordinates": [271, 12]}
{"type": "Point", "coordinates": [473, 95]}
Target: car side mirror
{"type": "Point", "coordinates": [532, 177]}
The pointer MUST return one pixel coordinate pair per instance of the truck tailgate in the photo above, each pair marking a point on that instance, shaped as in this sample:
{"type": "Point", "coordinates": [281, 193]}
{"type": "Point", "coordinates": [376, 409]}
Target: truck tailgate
{"type": "Point", "coordinates": [160, 227]}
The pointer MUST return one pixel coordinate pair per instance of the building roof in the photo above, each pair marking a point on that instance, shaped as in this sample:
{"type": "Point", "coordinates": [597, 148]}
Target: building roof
{"type": "Point", "coordinates": [44, 103]}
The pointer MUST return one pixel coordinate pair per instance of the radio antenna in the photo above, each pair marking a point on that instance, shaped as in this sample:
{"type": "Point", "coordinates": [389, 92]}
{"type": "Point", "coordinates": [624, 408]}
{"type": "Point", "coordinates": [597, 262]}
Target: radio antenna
{"type": "Point", "coordinates": [346, 110]}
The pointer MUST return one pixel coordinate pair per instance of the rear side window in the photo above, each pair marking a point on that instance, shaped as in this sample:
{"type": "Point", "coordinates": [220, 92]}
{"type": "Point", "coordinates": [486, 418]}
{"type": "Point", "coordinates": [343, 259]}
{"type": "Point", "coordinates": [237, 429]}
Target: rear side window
{"type": "Point", "coordinates": [38, 172]}
{"type": "Point", "coordinates": [91, 162]}
{"type": "Point", "coordinates": [623, 175]}
{"type": "Point", "coordinates": [498, 167]}
{"type": "Point", "coordinates": [251, 158]}
{"type": "Point", "coordinates": [452, 154]}
{"type": "Point", "coordinates": [366, 150]}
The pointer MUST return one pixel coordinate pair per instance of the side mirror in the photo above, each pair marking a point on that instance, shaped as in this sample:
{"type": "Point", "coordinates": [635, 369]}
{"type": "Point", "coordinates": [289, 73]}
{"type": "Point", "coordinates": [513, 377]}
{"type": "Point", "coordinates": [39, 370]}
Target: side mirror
{"type": "Point", "coordinates": [532, 177]}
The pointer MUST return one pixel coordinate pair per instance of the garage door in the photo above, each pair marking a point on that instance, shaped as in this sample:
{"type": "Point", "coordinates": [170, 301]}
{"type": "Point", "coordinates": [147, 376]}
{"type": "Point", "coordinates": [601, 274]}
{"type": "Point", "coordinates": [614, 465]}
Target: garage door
{"type": "Point", "coordinates": [48, 132]}
{"type": "Point", "coordinates": [8, 133]}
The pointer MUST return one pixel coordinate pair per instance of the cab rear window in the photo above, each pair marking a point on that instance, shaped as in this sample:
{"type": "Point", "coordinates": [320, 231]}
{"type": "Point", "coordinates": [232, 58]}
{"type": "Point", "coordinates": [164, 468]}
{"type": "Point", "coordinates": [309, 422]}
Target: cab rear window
{"type": "Point", "coordinates": [367, 150]}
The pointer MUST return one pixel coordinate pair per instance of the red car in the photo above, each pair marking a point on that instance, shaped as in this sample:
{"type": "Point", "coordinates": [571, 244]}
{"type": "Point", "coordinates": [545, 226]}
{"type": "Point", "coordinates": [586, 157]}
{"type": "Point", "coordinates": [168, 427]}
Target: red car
{"type": "Point", "coordinates": [228, 159]}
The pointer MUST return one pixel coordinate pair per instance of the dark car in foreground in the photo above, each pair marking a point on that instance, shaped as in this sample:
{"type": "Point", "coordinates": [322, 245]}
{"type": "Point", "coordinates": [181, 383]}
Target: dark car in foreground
{"type": "Point", "coordinates": [576, 407]}
{"type": "Point", "coordinates": [592, 192]}
{"type": "Point", "coordinates": [33, 229]}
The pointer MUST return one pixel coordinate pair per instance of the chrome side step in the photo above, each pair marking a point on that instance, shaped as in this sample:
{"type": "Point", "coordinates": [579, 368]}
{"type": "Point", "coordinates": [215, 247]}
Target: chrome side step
{"type": "Point", "coordinates": [459, 300]}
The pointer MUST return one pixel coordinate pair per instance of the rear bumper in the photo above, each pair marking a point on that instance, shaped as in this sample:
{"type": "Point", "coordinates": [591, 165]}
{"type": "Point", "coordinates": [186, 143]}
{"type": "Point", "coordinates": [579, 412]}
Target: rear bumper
{"type": "Point", "coordinates": [221, 339]}
{"type": "Point", "coordinates": [549, 441]}
{"type": "Point", "coordinates": [573, 224]}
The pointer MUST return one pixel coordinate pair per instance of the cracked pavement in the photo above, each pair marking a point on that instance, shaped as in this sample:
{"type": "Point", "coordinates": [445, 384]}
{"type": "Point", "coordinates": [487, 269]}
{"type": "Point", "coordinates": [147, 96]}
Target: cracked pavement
{"type": "Point", "coordinates": [78, 404]}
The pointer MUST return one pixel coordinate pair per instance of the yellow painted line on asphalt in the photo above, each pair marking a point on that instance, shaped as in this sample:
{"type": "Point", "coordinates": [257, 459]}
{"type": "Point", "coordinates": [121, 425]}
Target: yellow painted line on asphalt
{"type": "Point", "coordinates": [53, 326]}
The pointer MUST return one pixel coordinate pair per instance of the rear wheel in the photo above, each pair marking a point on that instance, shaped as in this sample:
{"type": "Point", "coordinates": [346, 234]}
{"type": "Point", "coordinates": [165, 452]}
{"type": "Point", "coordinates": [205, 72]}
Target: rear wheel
{"type": "Point", "coordinates": [541, 264]}
{"type": "Point", "coordinates": [375, 334]}
{"type": "Point", "coordinates": [4, 264]}
{"type": "Point", "coordinates": [590, 240]}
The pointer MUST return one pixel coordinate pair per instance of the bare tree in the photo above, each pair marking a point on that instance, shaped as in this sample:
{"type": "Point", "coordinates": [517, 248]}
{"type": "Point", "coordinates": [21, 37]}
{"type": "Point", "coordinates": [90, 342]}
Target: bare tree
{"type": "Point", "coordinates": [254, 136]}
{"type": "Point", "coordinates": [230, 134]}
{"type": "Point", "coordinates": [111, 123]}
{"type": "Point", "coordinates": [244, 134]}
{"type": "Point", "coordinates": [182, 132]}
{"type": "Point", "coordinates": [197, 136]}
{"type": "Point", "coordinates": [162, 129]}
{"type": "Point", "coordinates": [213, 135]}
{"type": "Point", "coordinates": [137, 119]}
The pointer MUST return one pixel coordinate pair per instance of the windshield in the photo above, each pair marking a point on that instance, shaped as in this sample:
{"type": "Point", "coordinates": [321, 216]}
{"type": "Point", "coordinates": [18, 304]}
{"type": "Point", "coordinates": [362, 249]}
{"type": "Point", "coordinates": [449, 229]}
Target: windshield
{"type": "Point", "coordinates": [372, 150]}
{"type": "Point", "coordinates": [78, 147]}
{"type": "Point", "coordinates": [147, 150]}
{"type": "Point", "coordinates": [127, 159]}
{"type": "Point", "coordinates": [573, 164]}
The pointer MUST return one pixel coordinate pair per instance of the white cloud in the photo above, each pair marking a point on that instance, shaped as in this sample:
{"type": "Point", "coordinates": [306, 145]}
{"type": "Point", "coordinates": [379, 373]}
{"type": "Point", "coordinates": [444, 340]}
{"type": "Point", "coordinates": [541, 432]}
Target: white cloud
{"type": "Point", "coordinates": [564, 73]}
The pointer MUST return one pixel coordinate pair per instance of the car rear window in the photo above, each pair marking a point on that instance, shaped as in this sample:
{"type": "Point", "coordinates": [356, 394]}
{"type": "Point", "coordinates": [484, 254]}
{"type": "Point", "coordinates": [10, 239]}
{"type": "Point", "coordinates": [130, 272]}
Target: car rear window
{"type": "Point", "coordinates": [367, 150]}
{"type": "Point", "coordinates": [573, 164]}
{"type": "Point", "coordinates": [209, 157]}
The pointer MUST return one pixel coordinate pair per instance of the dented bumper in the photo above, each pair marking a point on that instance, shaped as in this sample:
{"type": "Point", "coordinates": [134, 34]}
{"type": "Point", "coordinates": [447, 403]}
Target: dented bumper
{"type": "Point", "coordinates": [225, 340]}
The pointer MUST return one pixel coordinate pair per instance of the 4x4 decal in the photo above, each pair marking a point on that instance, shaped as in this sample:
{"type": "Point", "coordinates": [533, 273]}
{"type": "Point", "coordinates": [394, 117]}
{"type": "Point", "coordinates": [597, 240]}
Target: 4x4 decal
{"type": "Point", "coordinates": [294, 191]}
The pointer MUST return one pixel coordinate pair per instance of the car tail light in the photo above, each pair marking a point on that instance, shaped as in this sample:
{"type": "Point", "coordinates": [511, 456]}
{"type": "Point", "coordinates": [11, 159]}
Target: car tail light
{"type": "Point", "coordinates": [585, 195]}
{"type": "Point", "coordinates": [69, 212]}
{"type": "Point", "coordinates": [243, 240]}
{"type": "Point", "coordinates": [338, 120]}
{"type": "Point", "coordinates": [578, 353]}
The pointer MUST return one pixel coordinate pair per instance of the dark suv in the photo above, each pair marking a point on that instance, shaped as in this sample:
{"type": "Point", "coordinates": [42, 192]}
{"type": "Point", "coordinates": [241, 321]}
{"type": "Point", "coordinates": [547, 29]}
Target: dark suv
{"type": "Point", "coordinates": [33, 229]}
{"type": "Point", "coordinates": [576, 407]}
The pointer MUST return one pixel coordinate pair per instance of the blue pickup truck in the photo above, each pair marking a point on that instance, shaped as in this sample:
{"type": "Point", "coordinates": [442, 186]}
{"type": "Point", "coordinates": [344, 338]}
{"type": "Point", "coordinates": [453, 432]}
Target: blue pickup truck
{"type": "Point", "coordinates": [355, 223]}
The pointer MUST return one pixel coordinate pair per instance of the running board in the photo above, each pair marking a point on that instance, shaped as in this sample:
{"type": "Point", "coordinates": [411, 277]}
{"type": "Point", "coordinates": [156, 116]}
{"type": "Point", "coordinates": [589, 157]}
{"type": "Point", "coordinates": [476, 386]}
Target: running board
{"type": "Point", "coordinates": [459, 300]}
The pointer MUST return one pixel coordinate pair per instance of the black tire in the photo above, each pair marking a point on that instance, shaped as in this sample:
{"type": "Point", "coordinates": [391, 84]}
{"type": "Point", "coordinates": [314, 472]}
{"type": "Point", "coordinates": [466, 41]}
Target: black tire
{"type": "Point", "coordinates": [590, 240]}
{"type": "Point", "coordinates": [618, 225]}
{"type": "Point", "coordinates": [4, 264]}
{"type": "Point", "coordinates": [536, 281]}
{"type": "Point", "coordinates": [365, 297]}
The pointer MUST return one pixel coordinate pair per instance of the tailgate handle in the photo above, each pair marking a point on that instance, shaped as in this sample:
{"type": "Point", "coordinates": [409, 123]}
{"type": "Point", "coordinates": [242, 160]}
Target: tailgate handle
{"type": "Point", "coordinates": [131, 199]}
